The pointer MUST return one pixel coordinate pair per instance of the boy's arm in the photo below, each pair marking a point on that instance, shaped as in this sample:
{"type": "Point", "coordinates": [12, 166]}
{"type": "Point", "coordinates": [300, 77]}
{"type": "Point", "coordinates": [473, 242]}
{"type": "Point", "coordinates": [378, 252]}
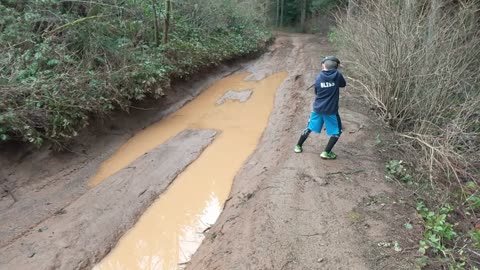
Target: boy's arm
{"type": "Point", "coordinates": [341, 81]}
{"type": "Point", "coordinates": [315, 85]}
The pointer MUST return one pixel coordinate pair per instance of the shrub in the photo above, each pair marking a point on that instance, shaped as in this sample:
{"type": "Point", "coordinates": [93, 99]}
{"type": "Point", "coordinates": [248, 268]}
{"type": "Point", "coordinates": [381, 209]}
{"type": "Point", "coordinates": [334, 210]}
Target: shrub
{"type": "Point", "coordinates": [417, 62]}
{"type": "Point", "coordinates": [63, 62]}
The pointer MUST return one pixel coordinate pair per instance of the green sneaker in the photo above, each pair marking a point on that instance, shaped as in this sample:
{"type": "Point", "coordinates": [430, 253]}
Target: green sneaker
{"type": "Point", "coordinates": [326, 155]}
{"type": "Point", "coordinates": [298, 149]}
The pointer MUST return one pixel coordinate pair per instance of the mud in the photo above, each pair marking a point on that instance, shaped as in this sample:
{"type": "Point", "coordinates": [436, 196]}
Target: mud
{"type": "Point", "coordinates": [284, 211]}
{"type": "Point", "coordinates": [166, 236]}
{"type": "Point", "coordinates": [297, 211]}
{"type": "Point", "coordinates": [241, 96]}
{"type": "Point", "coordinates": [74, 238]}
{"type": "Point", "coordinates": [37, 183]}
{"type": "Point", "coordinates": [201, 112]}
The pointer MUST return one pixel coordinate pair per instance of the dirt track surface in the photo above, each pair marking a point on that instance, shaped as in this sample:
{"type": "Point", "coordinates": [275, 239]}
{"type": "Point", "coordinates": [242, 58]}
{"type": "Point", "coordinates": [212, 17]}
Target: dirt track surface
{"type": "Point", "coordinates": [297, 211]}
{"type": "Point", "coordinates": [72, 239]}
{"type": "Point", "coordinates": [286, 210]}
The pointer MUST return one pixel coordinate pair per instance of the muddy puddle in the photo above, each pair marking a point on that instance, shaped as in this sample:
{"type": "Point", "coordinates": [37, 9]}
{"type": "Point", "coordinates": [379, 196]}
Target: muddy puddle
{"type": "Point", "coordinates": [170, 231]}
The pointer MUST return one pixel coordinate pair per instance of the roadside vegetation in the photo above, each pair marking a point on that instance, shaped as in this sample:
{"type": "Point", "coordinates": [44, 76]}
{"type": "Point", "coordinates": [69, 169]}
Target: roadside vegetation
{"type": "Point", "coordinates": [64, 62]}
{"type": "Point", "coordinates": [417, 63]}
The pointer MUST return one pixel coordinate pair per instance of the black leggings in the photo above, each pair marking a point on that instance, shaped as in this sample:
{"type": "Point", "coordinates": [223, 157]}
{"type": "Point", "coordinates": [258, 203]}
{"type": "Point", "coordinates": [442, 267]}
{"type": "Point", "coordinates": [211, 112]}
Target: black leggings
{"type": "Point", "coordinates": [304, 136]}
{"type": "Point", "coordinates": [331, 143]}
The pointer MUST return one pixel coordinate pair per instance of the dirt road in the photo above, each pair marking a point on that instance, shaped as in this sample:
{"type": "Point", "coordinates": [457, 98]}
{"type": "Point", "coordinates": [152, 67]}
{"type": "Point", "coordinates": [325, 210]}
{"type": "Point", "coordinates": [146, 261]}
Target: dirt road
{"type": "Point", "coordinates": [285, 210]}
{"type": "Point", "coordinates": [296, 211]}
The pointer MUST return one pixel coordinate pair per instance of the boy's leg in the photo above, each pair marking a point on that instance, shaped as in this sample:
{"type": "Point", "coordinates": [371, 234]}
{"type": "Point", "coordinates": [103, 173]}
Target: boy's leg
{"type": "Point", "coordinates": [334, 129]}
{"type": "Point", "coordinates": [331, 143]}
{"type": "Point", "coordinates": [303, 136]}
{"type": "Point", "coordinates": [301, 140]}
{"type": "Point", "coordinates": [315, 124]}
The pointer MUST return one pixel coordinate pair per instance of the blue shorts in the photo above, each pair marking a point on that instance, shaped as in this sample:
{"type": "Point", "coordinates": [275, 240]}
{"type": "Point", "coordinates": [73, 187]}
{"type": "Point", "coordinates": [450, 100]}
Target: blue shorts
{"type": "Point", "coordinates": [332, 122]}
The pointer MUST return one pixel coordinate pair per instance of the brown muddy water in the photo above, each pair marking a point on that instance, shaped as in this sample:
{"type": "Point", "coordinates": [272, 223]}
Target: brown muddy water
{"type": "Point", "coordinates": [170, 231]}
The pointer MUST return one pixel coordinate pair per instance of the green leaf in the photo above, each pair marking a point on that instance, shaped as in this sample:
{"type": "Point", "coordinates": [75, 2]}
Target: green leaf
{"type": "Point", "coordinates": [408, 226]}
{"type": "Point", "coordinates": [52, 62]}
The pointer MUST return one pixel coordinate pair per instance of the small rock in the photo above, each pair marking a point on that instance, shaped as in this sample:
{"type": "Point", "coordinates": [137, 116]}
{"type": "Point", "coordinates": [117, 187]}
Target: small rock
{"type": "Point", "coordinates": [43, 229]}
{"type": "Point", "coordinates": [143, 192]}
{"type": "Point", "coordinates": [397, 247]}
{"type": "Point", "coordinates": [320, 260]}
{"type": "Point", "coordinates": [60, 212]}
{"type": "Point", "coordinates": [232, 95]}
{"type": "Point", "coordinates": [384, 244]}
{"type": "Point", "coordinates": [31, 254]}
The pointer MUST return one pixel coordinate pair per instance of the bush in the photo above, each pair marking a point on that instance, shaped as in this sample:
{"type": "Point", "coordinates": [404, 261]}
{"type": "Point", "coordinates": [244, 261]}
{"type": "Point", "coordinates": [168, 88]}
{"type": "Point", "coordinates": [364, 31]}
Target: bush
{"type": "Point", "coordinates": [418, 63]}
{"type": "Point", "coordinates": [63, 62]}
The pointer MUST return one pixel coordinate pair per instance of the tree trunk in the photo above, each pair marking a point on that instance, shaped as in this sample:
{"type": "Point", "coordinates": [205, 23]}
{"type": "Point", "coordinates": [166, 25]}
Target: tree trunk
{"type": "Point", "coordinates": [282, 11]}
{"type": "Point", "coordinates": [156, 26]}
{"type": "Point", "coordinates": [265, 9]}
{"type": "Point", "coordinates": [277, 15]}
{"type": "Point", "coordinates": [303, 15]}
{"type": "Point", "coordinates": [166, 24]}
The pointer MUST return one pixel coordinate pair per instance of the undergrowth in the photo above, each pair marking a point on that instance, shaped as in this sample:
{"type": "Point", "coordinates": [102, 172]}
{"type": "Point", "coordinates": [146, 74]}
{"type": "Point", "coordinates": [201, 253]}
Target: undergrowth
{"type": "Point", "coordinates": [449, 240]}
{"type": "Point", "coordinates": [64, 62]}
{"type": "Point", "coordinates": [417, 64]}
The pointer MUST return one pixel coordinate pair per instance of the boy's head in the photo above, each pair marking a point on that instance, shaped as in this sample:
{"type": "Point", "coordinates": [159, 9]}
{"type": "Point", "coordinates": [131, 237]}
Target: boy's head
{"type": "Point", "coordinates": [330, 62]}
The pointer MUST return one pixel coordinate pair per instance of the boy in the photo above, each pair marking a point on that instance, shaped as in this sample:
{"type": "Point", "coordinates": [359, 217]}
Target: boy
{"type": "Point", "coordinates": [325, 107]}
